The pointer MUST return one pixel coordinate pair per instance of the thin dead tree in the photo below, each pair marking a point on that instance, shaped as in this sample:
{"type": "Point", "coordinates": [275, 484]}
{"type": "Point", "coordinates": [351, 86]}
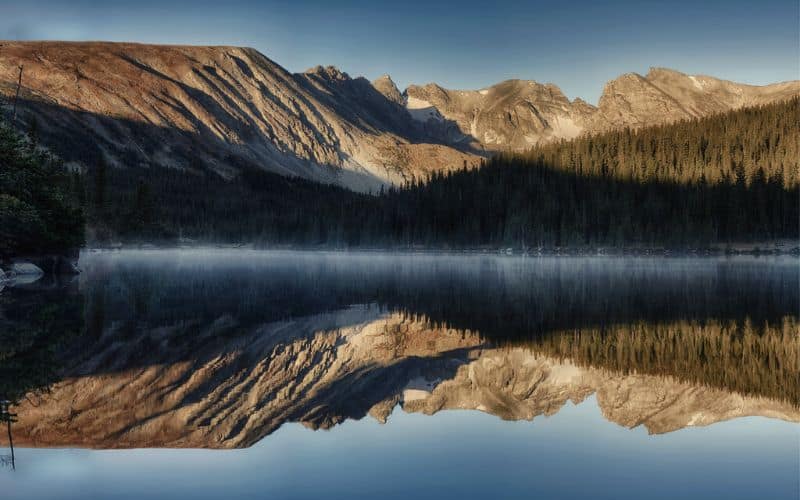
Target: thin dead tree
{"type": "Point", "coordinates": [8, 417]}
{"type": "Point", "coordinates": [16, 96]}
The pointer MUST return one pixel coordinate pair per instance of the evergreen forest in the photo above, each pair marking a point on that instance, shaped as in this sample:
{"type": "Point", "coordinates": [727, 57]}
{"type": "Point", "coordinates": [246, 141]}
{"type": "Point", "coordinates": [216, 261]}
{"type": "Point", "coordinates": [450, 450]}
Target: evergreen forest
{"type": "Point", "coordinates": [723, 179]}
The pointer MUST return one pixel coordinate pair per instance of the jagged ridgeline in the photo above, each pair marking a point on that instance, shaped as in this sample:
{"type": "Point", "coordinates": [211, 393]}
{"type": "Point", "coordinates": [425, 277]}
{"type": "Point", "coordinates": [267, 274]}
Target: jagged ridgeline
{"type": "Point", "coordinates": [726, 178]}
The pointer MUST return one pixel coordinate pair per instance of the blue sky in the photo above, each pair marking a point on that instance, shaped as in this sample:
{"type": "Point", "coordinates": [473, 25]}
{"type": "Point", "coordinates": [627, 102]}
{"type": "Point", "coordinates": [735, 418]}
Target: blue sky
{"type": "Point", "coordinates": [466, 44]}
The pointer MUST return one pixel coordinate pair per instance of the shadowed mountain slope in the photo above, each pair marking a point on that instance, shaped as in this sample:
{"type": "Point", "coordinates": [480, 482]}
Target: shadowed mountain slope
{"type": "Point", "coordinates": [221, 109]}
{"type": "Point", "coordinates": [217, 108]}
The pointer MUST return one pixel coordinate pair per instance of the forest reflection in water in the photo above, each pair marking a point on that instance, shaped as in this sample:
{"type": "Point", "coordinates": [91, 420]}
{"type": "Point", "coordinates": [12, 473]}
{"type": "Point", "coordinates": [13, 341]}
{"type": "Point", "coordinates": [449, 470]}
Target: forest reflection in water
{"type": "Point", "coordinates": [215, 349]}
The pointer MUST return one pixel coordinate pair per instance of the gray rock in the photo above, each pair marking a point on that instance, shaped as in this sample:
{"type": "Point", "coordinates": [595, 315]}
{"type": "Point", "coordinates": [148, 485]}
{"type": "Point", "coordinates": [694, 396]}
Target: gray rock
{"type": "Point", "coordinates": [25, 269]}
{"type": "Point", "coordinates": [24, 279]}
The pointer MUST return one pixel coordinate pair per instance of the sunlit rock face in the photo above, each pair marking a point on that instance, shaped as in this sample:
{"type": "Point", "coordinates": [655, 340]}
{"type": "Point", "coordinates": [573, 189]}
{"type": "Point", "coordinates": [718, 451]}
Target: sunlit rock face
{"type": "Point", "coordinates": [216, 108]}
{"type": "Point", "coordinates": [225, 109]}
{"type": "Point", "coordinates": [386, 86]}
{"type": "Point", "coordinates": [222, 385]}
{"type": "Point", "coordinates": [517, 114]}
{"type": "Point", "coordinates": [665, 95]}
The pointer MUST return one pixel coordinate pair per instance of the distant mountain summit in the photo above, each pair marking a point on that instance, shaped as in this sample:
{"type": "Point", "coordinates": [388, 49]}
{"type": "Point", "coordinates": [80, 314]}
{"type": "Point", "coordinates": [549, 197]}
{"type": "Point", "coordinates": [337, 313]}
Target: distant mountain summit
{"type": "Point", "coordinates": [517, 114]}
{"type": "Point", "coordinates": [666, 95]}
{"type": "Point", "coordinates": [514, 114]}
{"type": "Point", "coordinates": [386, 86]}
{"type": "Point", "coordinates": [225, 109]}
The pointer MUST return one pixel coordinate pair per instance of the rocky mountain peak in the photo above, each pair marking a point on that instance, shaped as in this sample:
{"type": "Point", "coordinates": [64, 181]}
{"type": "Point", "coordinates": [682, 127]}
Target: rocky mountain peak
{"type": "Point", "coordinates": [327, 72]}
{"type": "Point", "coordinates": [665, 95]}
{"type": "Point", "coordinates": [513, 114]}
{"type": "Point", "coordinates": [200, 108]}
{"type": "Point", "coordinates": [428, 88]}
{"type": "Point", "coordinates": [386, 77]}
{"type": "Point", "coordinates": [386, 86]}
{"type": "Point", "coordinates": [656, 71]}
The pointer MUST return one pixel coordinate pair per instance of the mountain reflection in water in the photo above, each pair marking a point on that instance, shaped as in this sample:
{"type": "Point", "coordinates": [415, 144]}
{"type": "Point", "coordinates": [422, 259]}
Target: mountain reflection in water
{"type": "Point", "coordinates": [217, 350]}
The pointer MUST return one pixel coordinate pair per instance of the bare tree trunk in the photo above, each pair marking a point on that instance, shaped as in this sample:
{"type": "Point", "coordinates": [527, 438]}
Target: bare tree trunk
{"type": "Point", "coordinates": [11, 445]}
{"type": "Point", "coordinates": [16, 96]}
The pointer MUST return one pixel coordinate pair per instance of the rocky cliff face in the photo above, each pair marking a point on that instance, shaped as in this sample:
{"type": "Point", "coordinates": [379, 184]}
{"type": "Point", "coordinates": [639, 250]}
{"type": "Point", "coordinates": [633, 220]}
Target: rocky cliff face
{"type": "Point", "coordinates": [215, 387]}
{"type": "Point", "coordinates": [665, 95]}
{"type": "Point", "coordinates": [386, 86]}
{"type": "Point", "coordinates": [217, 108]}
{"type": "Point", "coordinates": [514, 114]}
{"type": "Point", "coordinates": [517, 114]}
{"type": "Point", "coordinates": [227, 108]}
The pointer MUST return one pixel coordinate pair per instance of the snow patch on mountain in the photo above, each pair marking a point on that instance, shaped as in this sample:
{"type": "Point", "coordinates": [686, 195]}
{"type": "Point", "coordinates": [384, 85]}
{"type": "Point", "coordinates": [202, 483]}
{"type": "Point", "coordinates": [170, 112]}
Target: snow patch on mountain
{"type": "Point", "coordinates": [422, 110]}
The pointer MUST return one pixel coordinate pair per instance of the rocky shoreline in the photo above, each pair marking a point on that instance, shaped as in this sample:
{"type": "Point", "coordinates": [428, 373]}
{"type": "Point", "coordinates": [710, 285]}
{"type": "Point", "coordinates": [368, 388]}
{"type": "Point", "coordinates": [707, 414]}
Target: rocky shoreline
{"type": "Point", "coordinates": [27, 269]}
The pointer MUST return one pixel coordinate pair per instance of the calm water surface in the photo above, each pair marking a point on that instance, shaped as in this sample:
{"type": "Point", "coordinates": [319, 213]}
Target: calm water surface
{"type": "Point", "coordinates": [217, 374]}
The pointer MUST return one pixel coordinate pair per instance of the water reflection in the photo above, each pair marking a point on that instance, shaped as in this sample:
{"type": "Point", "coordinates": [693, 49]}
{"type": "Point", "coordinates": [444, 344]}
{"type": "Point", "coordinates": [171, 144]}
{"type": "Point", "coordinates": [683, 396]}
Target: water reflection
{"type": "Point", "coordinates": [8, 418]}
{"type": "Point", "coordinates": [210, 350]}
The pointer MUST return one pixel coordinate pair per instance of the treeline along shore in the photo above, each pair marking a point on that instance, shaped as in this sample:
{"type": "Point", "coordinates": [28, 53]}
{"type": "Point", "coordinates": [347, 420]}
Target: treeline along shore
{"type": "Point", "coordinates": [727, 182]}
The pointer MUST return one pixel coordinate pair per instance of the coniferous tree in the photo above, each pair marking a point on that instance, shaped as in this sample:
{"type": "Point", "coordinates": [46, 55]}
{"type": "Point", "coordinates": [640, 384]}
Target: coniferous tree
{"type": "Point", "coordinates": [38, 212]}
{"type": "Point", "coordinates": [725, 178]}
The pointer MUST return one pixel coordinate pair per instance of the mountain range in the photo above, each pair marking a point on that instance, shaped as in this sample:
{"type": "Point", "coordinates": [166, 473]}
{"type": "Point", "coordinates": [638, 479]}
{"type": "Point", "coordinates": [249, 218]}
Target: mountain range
{"type": "Point", "coordinates": [213, 389]}
{"type": "Point", "coordinates": [224, 109]}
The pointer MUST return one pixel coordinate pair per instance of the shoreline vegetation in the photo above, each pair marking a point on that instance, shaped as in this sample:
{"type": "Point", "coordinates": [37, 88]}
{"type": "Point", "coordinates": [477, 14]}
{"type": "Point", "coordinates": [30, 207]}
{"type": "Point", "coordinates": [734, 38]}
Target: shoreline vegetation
{"type": "Point", "coordinates": [42, 222]}
{"type": "Point", "coordinates": [721, 185]}
{"type": "Point", "coordinates": [718, 182]}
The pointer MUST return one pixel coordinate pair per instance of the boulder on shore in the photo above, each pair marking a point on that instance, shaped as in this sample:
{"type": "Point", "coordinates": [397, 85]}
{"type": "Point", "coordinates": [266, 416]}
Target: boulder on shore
{"type": "Point", "coordinates": [25, 269]}
{"type": "Point", "coordinates": [20, 273]}
{"type": "Point", "coordinates": [51, 265]}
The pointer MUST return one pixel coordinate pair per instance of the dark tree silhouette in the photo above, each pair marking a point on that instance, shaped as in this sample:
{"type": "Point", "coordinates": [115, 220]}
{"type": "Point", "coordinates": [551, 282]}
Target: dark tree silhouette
{"type": "Point", "coordinates": [726, 178]}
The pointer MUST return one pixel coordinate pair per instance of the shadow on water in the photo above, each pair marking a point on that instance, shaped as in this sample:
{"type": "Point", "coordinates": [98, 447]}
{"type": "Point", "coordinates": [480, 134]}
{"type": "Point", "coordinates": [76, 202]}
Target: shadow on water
{"type": "Point", "coordinates": [320, 338]}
